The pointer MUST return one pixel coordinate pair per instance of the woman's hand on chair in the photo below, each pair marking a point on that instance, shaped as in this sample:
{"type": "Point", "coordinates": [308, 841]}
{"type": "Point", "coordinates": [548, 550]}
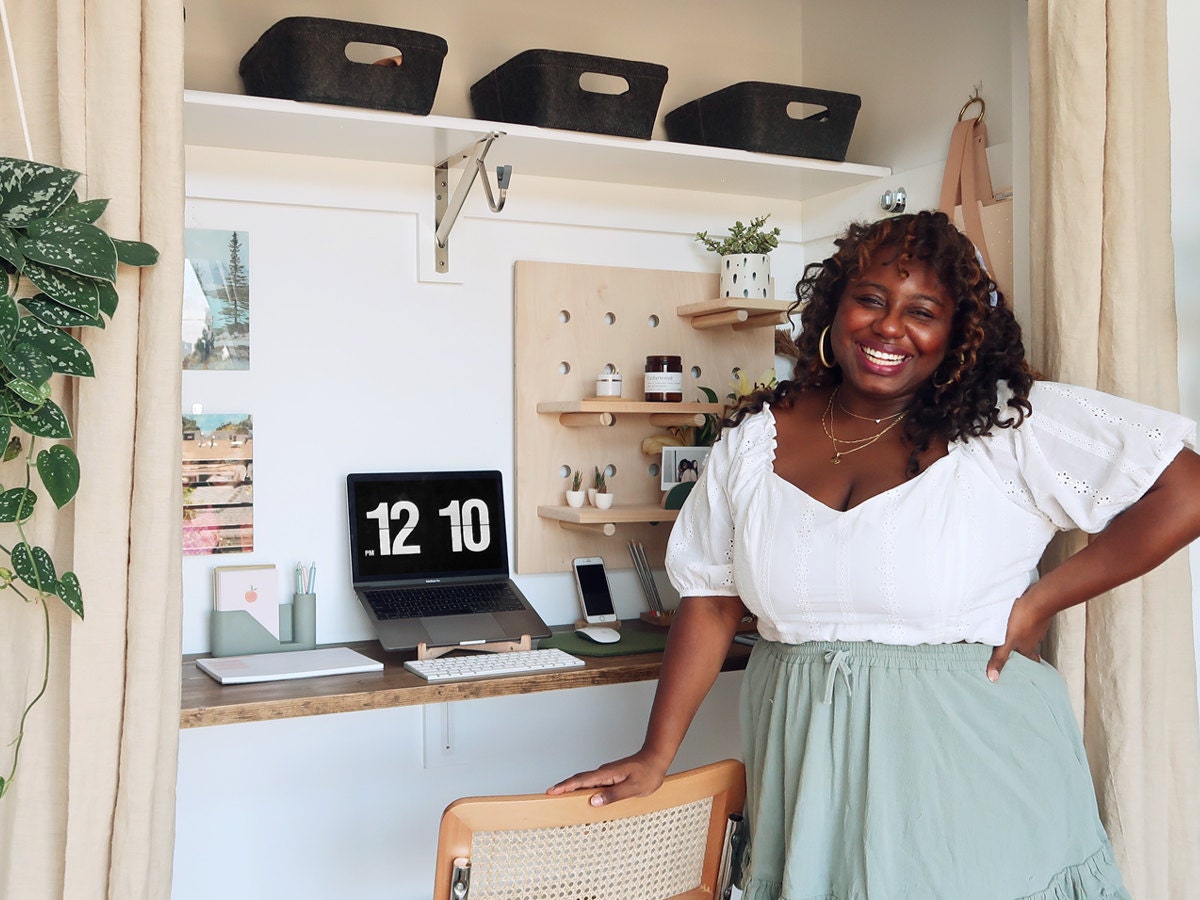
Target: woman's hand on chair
{"type": "Point", "coordinates": [633, 776]}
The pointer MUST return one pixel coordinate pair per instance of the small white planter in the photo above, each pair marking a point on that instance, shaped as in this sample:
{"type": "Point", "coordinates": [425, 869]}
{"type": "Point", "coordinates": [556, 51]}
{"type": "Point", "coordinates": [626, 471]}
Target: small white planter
{"type": "Point", "coordinates": [746, 276]}
{"type": "Point", "coordinates": [575, 498]}
{"type": "Point", "coordinates": [604, 501]}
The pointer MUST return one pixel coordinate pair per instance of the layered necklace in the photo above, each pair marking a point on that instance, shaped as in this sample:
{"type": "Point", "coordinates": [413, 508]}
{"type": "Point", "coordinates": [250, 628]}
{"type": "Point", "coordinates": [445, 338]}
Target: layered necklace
{"type": "Point", "coordinates": [842, 446]}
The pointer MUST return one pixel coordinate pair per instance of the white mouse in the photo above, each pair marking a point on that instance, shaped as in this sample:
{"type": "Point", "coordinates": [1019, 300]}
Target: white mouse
{"type": "Point", "coordinates": [599, 634]}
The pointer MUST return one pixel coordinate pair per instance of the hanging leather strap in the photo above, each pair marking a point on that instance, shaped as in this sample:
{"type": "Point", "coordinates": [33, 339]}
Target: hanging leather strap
{"type": "Point", "coordinates": [967, 180]}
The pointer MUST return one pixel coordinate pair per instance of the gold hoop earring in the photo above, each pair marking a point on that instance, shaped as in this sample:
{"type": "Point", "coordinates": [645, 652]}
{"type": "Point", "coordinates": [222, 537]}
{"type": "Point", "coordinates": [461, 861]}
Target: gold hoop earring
{"type": "Point", "coordinates": [821, 350]}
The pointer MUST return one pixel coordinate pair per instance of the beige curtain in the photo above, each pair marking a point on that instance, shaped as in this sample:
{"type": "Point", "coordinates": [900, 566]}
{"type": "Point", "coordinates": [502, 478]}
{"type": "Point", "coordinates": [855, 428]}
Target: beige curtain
{"type": "Point", "coordinates": [1103, 295]}
{"type": "Point", "coordinates": [91, 813]}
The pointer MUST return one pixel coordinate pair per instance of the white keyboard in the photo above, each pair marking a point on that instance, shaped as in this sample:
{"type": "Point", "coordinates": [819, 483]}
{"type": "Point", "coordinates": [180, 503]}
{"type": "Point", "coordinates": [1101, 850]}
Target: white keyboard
{"type": "Point", "coordinates": [493, 665]}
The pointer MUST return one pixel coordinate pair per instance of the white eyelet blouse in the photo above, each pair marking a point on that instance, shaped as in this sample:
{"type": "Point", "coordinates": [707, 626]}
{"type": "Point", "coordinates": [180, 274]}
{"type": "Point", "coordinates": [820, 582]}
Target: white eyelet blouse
{"type": "Point", "coordinates": [937, 559]}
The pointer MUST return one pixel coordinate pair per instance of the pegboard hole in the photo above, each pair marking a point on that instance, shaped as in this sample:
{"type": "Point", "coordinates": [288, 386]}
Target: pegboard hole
{"type": "Point", "coordinates": [564, 316]}
{"type": "Point", "coordinates": [564, 368]}
{"type": "Point", "coordinates": [609, 369]}
{"type": "Point", "coordinates": [610, 318]}
{"type": "Point", "coordinates": [564, 471]}
{"type": "Point", "coordinates": [653, 469]}
{"type": "Point", "coordinates": [652, 321]}
{"type": "Point", "coordinates": [696, 373]}
{"type": "Point", "coordinates": [610, 470]}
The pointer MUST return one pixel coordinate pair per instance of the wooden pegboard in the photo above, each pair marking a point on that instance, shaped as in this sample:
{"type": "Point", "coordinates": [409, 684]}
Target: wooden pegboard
{"type": "Point", "coordinates": [570, 322]}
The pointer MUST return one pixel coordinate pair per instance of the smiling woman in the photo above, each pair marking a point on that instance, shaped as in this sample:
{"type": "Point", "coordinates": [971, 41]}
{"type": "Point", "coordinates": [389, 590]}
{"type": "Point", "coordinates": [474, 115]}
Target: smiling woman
{"type": "Point", "coordinates": [897, 591]}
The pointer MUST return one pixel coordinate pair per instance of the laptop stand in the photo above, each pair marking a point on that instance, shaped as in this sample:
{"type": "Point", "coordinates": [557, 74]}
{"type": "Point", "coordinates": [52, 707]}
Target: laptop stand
{"type": "Point", "coordinates": [424, 651]}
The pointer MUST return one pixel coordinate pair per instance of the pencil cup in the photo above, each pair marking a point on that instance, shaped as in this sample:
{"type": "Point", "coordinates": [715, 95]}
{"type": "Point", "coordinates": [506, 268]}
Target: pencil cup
{"type": "Point", "coordinates": [304, 619]}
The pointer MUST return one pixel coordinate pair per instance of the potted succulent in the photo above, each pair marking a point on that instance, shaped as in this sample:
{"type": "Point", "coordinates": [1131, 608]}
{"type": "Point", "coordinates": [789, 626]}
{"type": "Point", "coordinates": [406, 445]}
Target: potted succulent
{"type": "Point", "coordinates": [576, 494]}
{"type": "Point", "coordinates": [602, 499]}
{"type": "Point", "coordinates": [59, 271]}
{"type": "Point", "coordinates": [745, 259]}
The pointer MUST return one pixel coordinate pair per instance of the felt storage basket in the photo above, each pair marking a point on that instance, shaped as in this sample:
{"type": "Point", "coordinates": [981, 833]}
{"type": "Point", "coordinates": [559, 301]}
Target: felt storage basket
{"type": "Point", "coordinates": [304, 58]}
{"type": "Point", "coordinates": [542, 87]}
{"type": "Point", "coordinates": [753, 115]}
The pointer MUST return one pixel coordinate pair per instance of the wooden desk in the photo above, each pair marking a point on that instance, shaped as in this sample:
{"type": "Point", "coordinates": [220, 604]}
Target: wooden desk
{"type": "Point", "coordinates": [205, 702]}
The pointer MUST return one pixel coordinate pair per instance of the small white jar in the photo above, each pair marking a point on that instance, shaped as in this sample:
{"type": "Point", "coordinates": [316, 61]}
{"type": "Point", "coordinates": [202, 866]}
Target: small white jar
{"type": "Point", "coordinates": [608, 384]}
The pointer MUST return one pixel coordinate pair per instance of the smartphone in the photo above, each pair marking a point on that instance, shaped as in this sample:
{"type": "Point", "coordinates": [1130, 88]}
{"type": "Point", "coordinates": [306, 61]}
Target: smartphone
{"type": "Point", "coordinates": [591, 581]}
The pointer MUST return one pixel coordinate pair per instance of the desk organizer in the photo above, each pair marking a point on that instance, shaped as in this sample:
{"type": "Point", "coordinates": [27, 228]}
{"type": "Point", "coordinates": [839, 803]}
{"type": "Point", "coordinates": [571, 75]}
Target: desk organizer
{"type": "Point", "coordinates": [753, 115]}
{"type": "Point", "coordinates": [237, 633]}
{"type": "Point", "coordinates": [542, 87]}
{"type": "Point", "coordinates": [304, 58]}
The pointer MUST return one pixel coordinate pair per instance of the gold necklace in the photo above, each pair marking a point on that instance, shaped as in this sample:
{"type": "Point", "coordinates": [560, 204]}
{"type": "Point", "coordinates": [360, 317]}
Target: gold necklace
{"type": "Point", "coordinates": [862, 443]}
{"type": "Point", "coordinates": [870, 418]}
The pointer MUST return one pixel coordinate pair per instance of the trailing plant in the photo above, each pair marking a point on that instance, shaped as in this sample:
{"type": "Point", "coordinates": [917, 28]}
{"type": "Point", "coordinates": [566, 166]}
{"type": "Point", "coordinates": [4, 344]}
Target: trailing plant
{"type": "Point", "coordinates": [59, 269]}
{"type": "Point", "coordinates": [751, 239]}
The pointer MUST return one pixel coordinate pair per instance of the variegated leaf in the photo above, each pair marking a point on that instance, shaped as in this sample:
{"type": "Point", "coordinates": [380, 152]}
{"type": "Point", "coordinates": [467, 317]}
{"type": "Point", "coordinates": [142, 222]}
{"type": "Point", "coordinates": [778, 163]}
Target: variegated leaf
{"type": "Point", "coordinates": [10, 320]}
{"type": "Point", "coordinates": [136, 253]}
{"type": "Point", "coordinates": [27, 362]}
{"type": "Point", "coordinates": [108, 298]}
{"type": "Point", "coordinates": [66, 287]}
{"type": "Point", "coordinates": [30, 190]}
{"type": "Point", "coordinates": [35, 568]}
{"type": "Point", "coordinates": [70, 592]}
{"type": "Point", "coordinates": [9, 249]}
{"type": "Point", "coordinates": [63, 353]}
{"type": "Point", "coordinates": [16, 505]}
{"type": "Point", "coordinates": [87, 211]}
{"type": "Point", "coordinates": [75, 246]}
{"type": "Point", "coordinates": [27, 391]}
{"type": "Point", "coordinates": [59, 470]}
{"type": "Point", "coordinates": [54, 313]}
{"type": "Point", "coordinates": [46, 421]}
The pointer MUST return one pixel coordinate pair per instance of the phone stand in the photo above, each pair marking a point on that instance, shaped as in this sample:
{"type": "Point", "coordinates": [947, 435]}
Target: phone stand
{"type": "Point", "coordinates": [424, 651]}
{"type": "Point", "coordinates": [584, 623]}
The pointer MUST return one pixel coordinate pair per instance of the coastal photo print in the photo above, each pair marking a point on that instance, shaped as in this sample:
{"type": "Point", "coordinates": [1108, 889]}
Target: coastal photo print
{"type": "Point", "coordinates": [218, 484]}
{"type": "Point", "coordinates": [216, 299]}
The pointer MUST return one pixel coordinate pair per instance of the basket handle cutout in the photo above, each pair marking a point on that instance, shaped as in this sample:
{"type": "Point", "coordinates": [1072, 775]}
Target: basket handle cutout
{"type": "Point", "coordinates": [600, 83]}
{"type": "Point", "coordinates": [373, 54]}
{"type": "Point", "coordinates": [808, 112]}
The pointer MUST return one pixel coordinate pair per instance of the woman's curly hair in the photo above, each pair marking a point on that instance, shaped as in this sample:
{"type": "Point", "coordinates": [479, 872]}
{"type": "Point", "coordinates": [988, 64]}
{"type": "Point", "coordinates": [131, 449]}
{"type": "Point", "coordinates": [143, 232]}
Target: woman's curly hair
{"type": "Point", "coordinates": [985, 346]}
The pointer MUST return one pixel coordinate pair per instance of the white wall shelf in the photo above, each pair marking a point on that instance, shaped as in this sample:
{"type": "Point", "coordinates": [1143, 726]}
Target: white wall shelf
{"type": "Point", "coordinates": [236, 121]}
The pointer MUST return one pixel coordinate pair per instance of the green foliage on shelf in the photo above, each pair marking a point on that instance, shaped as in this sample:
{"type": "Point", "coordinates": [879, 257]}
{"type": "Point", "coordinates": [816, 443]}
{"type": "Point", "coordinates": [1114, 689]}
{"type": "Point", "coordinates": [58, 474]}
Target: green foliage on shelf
{"type": "Point", "coordinates": [750, 238]}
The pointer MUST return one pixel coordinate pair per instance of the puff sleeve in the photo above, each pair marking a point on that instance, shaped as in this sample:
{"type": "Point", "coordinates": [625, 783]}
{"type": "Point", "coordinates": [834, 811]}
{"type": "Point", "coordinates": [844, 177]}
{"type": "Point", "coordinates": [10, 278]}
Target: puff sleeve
{"type": "Point", "coordinates": [1083, 456]}
{"type": "Point", "coordinates": [700, 548]}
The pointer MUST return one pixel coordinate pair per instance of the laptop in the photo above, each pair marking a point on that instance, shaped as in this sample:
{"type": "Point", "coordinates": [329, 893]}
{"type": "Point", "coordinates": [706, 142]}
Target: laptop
{"type": "Point", "coordinates": [429, 559]}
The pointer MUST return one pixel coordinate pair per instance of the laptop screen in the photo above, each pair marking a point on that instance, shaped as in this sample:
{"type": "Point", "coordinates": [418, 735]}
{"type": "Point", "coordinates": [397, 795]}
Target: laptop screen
{"type": "Point", "coordinates": [426, 525]}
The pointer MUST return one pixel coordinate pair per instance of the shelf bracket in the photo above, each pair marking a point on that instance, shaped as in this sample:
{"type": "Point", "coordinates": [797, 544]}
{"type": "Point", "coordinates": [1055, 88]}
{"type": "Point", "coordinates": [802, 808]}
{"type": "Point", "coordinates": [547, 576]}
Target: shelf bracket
{"type": "Point", "coordinates": [447, 206]}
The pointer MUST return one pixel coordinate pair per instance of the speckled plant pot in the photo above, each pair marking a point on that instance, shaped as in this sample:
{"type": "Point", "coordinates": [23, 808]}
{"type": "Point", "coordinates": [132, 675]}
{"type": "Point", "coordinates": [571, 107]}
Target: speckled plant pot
{"type": "Point", "coordinates": [746, 276]}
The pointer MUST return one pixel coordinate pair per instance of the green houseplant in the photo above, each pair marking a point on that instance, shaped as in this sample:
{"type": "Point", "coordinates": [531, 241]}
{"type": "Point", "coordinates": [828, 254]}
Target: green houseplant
{"type": "Point", "coordinates": [745, 259]}
{"type": "Point", "coordinates": [60, 269]}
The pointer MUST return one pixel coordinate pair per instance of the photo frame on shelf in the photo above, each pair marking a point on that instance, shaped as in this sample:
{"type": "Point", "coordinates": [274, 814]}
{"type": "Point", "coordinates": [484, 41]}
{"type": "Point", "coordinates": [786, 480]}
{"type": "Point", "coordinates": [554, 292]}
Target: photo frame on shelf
{"type": "Point", "coordinates": [681, 465]}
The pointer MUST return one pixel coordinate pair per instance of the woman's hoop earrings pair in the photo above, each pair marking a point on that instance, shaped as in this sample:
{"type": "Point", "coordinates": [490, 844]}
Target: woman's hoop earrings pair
{"type": "Point", "coordinates": [821, 350]}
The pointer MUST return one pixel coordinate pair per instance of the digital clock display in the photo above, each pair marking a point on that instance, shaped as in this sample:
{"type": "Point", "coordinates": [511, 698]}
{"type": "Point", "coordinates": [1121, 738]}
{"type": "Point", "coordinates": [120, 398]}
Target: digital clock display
{"type": "Point", "coordinates": [427, 524]}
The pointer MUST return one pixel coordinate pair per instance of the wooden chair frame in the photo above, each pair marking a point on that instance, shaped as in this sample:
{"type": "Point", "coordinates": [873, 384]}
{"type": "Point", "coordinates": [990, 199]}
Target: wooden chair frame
{"type": "Point", "coordinates": [723, 781]}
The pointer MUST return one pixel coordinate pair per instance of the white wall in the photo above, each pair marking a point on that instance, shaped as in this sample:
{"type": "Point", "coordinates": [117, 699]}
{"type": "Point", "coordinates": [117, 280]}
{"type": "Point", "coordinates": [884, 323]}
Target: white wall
{"type": "Point", "coordinates": [357, 366]}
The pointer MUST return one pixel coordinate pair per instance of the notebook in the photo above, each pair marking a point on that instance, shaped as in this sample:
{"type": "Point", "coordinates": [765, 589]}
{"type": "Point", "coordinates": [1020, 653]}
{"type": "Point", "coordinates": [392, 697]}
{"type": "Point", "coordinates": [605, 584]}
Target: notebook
{"type": "Point", "coordinates": [288, 664]}
{"type": "Point", "coordinates": [429, 559]}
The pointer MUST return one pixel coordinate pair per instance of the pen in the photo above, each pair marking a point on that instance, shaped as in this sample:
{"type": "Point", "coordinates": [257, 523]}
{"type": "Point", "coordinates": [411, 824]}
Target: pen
{"type": "Point", "coordinates": [312, 579]}
{"type": "Point", "coordinates": [299, 579]}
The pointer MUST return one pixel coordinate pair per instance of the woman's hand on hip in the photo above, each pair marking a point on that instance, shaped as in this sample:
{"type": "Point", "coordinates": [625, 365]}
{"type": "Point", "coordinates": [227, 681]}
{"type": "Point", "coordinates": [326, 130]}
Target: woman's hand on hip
{"type": "Point", "coordinates": [1026, 628]}
{"type": "Point", "coordinates": [632, 776]}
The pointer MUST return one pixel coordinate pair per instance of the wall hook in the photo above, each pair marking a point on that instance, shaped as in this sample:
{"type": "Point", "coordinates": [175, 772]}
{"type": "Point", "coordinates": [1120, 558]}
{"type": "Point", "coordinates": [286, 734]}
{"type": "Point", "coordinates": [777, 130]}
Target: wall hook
{"type": "Point", "coordinates": [447, 206]}
{"type": "Point", "coordinates": [894, 201]}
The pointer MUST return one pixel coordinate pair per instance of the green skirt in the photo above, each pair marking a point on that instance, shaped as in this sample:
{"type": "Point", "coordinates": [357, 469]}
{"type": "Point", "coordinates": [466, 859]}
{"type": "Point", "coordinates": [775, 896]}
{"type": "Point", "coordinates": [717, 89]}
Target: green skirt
{"type": "Point", "coordinates": [879, 772]}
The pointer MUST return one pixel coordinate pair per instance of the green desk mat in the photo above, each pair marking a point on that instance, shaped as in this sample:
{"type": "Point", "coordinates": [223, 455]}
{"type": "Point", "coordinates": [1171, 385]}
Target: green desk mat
{"type": "Point", "coordinates": [632, 640]}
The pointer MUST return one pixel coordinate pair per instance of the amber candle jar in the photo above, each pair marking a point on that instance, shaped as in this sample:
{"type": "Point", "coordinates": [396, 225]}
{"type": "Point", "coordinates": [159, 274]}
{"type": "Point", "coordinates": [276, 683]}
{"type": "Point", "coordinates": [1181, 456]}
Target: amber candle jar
{"type": "Point", "coordinates": [664, 379]}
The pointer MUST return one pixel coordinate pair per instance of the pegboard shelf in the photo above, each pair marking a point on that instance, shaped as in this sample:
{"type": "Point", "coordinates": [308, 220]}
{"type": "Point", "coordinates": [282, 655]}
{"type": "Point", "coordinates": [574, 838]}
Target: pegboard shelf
{"type": "Point", "coordinates": [617, 514]}
{"type": "Point", "coordinates": [738, 314]}
{"type": "Point", "coordinates": [631, 407]}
